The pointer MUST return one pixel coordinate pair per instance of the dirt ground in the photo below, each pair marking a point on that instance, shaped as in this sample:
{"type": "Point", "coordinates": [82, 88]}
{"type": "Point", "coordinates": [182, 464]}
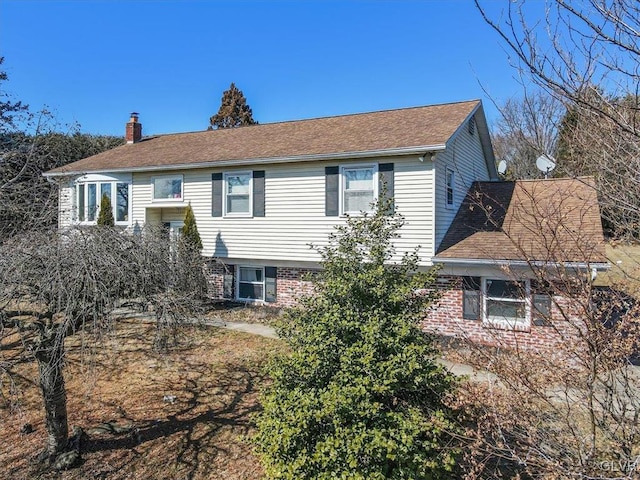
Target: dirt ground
{"type": "Point", "coordinates": [189, 410]}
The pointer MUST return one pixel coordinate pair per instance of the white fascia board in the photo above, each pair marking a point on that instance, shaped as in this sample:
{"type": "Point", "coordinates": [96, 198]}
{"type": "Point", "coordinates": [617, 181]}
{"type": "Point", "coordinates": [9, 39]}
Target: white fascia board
{"type": "Point", "coordinates": [263, 161]}
{"type": "Point", "coordinates": [600, 266]}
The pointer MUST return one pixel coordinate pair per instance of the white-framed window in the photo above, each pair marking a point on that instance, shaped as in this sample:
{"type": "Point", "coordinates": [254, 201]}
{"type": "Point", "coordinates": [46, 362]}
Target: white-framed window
{"type": "Point", "coordinates": [358, 188]}
{"type": "Point", "coordinates": [167, 188]}
{"type": "Point", "coordinates": [238, 192]}
{"type": "Point", "coordinates": [449, 187]}
{"type": "Point", "coordinates": [250, 284]}
{"type": "Point", "coordinates": [89, 196]}
{"type": "Point", "coordinates": [506, 303]}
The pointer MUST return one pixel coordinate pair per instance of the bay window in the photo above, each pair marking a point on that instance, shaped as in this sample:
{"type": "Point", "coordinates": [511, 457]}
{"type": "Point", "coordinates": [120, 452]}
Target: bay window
{"type": "Point", "coordinates": [88, 196]}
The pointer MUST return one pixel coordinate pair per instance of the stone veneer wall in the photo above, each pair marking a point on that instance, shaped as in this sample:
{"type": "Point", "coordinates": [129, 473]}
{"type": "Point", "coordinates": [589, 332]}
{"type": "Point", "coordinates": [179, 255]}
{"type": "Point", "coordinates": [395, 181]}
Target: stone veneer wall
{"type": "Point", "coordinates": [445, 318]}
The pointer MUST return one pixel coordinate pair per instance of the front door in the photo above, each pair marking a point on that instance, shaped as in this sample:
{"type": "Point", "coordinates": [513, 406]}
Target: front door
{"type": "Point", "coordinates": [174, 230]}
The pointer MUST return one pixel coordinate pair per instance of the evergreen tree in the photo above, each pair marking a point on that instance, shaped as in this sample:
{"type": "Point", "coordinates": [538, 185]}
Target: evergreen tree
{"type": "Point", "coordinates": [361, 395]}
{"type": "Point", "coordinates": [190, 235]}
{"type": "Point", "coordinates": [10, 111]}
{"type": "Point", "coordinates": [189, 265]}
{"type": "Point", "coordinates": [233, 112]}
{"type": "Point", "coordinates": [105, 217]}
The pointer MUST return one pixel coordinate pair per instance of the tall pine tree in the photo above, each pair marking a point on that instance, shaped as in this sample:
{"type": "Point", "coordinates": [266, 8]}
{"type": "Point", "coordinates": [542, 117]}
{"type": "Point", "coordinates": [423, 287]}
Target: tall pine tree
{"type": "Point", "coordinates": [233, 112]}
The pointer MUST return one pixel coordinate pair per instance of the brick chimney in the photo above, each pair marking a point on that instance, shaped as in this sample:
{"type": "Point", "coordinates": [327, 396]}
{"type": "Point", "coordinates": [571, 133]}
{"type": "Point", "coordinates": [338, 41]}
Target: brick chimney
{"type": "Point", "coordinates": [133, 132]}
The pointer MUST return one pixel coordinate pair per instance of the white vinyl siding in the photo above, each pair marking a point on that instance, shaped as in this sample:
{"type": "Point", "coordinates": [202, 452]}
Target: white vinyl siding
{"type": "Point", "coordinates": [294, 212]}
{"type": "Point", "coordinates": [465, 158]}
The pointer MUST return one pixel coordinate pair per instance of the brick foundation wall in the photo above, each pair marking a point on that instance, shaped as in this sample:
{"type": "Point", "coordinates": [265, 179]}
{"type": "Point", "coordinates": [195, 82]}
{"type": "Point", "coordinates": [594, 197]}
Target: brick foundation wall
{"type": "Point", "coordinates": [291, 283]}
{"type": "Point", "coordinates": [215, 278]}
{"type": "Point", "coordinates": [446, 318]}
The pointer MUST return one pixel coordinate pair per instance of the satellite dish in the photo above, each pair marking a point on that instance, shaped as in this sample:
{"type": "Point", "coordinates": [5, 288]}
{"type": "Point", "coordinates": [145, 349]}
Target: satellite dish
{"type": "Point", "coordinates": [502, 167]}
{"type": "Point", "coordinates": [545, 164]}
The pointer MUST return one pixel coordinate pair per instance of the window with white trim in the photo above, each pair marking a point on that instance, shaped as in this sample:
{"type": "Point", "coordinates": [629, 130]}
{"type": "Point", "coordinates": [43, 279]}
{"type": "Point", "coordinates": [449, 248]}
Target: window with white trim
{"type": "Point", "coordinates": [89, 196]}
{"type": "Point", "coordinates": [506, 302]}
{"type": "Point", "coordinates": [359, 188]}
{"type": "Point", "coordinates": [250, 283]}
{"type": "Point", "coordinates": [167, 188]}
{"type": "Point", "coordinates": [449, 191]}
{"type": "Point", "coordinates": [238, 194]}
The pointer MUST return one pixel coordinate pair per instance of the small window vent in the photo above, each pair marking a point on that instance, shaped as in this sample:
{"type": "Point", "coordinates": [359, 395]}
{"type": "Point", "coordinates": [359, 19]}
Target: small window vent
{"type": "Point", "coordinates": [472, 125]}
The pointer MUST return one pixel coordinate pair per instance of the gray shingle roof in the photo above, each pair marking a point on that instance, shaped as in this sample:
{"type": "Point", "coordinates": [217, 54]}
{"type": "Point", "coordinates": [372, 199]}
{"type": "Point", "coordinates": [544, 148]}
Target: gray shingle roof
{"type": "Point", "coordinates": [555, 220]}
{"type": "Point", "coordinates": [428, 126]}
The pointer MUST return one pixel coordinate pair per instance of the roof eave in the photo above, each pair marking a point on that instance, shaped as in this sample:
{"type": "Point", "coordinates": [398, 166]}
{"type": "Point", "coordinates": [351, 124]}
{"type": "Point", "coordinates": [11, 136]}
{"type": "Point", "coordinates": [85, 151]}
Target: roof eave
{"type": "Point", "coordinates": [388, 152]}
{"type": "Point", "coordinates": [600, 266]}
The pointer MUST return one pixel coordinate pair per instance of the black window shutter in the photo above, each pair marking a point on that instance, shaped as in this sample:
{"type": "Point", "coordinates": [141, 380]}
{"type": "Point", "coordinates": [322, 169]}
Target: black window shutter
{"type": "Point", "coordinates": [385, 182]}
{"type": "Point", "coordinates": [332, 194]}
{"type": "Point", "coordinates": [216, 195]}
{"type": "Point", "coordinates": [270, 284]}
{"type": "Point", "coordinates": [471, 298]}
{"type": "Point", "coordinates": [228, 290]}
{"type": "Point", "coordinates": [258, 193]}
{"type": "Point", "coordinates": [541, 310]}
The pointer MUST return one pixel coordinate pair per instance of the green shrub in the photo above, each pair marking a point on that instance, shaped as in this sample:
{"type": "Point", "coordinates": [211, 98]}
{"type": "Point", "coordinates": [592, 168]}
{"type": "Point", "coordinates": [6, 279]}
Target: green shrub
{"type": "Point", "coordinates": [360, 395]}
{"type": "Point", "coordinates": [105, 217]}
{"type": "Point", "coordinates": [190, 234]}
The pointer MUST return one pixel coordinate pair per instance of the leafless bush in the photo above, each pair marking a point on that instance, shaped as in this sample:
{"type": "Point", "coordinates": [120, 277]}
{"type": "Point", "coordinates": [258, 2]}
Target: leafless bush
{"type": "Point", "coordinates": [570, 409]}
{"type": "Point", "coordinates": [58, 283]}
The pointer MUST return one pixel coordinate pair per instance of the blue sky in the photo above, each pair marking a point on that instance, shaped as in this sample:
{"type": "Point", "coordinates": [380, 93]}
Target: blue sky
{"type": "Point", "coordinates": [93, 62]}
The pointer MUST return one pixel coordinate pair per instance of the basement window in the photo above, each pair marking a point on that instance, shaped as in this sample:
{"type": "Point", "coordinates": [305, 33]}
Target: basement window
{"type": "Point", "coordinates": [505, 303]}
{"type": "Point", "coordinates": [250, 283]}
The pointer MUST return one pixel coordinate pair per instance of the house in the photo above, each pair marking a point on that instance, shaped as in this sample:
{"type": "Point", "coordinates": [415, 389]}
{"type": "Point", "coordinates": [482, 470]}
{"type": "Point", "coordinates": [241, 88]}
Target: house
{"type": "Point", "coordinates": [516, 258]}
{"type": "Point", "coordinates": [262, 194]}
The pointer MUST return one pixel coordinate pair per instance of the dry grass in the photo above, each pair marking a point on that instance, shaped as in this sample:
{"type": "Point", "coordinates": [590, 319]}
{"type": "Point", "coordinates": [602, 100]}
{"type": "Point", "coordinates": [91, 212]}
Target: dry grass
{"type": "Point", "coordinates": [214, 375]}
{"type": "Point", "coordinates": [242, 312]}
{"type": "Point", "coordinates": [625, 267]}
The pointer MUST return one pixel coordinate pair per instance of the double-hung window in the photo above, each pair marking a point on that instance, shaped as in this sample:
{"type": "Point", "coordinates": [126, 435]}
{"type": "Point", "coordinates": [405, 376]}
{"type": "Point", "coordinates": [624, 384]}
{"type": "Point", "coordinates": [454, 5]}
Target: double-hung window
{"type": "Point", "coordinates": [359, 188]}
{"type": "Point", "coordinates": [89, 196]}
{"type": "Point", "coordinates": [250, 283]}
{"type": "Point", "coordinates": [238, 194]}
{"type": "Point", "coordinates": [449, 190]}
{"type": "Point", "coordinates": [167, 188]}
{"type": "Point", "coordinates": [505, 303]}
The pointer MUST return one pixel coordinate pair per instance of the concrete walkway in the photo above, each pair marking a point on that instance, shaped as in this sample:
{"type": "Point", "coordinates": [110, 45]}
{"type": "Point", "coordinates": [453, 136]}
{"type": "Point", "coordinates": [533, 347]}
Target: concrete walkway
{"type": "Point", "coordinates": [254, 328]}
{"type": "Point", "coordinates": [459, 369]}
